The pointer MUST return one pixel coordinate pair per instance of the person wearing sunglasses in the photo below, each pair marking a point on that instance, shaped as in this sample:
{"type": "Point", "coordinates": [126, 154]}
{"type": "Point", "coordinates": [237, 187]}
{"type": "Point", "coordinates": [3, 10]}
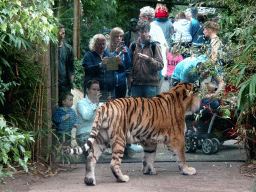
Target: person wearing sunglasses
{"type": "Point", "coordinates": [131, 35]}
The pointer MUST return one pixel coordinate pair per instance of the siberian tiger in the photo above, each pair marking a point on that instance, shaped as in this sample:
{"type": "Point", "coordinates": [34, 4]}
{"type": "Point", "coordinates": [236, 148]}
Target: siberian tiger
{"type": "Point", "coordinates": [144, 121]}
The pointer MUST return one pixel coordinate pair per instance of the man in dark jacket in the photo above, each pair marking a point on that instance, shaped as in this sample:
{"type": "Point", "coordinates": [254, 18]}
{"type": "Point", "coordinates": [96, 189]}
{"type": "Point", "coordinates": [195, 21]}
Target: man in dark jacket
{"type": "Point", "coordinates": [66, 67]}
{"type": "Point", "coordinates": [131, 35]}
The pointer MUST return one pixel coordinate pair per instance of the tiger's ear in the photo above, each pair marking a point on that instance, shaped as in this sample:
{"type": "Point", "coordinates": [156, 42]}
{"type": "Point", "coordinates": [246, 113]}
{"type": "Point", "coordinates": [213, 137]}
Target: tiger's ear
{"type": "Point", "coordinates": [190, 93]}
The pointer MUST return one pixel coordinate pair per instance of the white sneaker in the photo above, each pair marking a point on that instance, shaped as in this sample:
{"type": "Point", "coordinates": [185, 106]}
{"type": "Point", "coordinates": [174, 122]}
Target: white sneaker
{"type": "Point", "coordinates": [108, 151]}
{"type": "Point", "coordinates": [132, 150]}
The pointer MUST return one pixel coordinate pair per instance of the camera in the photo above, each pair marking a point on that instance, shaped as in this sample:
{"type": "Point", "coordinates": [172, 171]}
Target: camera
{"type": "Point", "coordinates": [121, 44]}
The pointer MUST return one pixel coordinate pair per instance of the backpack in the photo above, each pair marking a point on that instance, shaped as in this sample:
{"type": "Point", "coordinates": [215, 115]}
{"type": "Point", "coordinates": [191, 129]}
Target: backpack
{"type": "Point", "coordinates": [153, 47]}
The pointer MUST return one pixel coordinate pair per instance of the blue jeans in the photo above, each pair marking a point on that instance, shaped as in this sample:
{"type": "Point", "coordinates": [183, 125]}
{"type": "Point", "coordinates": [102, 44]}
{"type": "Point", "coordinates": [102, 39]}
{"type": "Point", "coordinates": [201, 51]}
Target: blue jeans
{"type": "Point", "coordinates": [147, 91]}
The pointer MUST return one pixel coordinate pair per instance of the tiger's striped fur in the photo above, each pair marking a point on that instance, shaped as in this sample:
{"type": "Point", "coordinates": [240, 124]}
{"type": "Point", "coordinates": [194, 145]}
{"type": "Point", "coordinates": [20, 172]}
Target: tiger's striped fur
{"type": "Point", "coordinates": [144, 121]}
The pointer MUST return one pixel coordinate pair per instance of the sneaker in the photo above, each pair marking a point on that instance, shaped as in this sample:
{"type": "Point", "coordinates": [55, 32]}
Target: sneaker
{"type": "Point", "coordinates": [132, 149]}
{"type": "Point", "coordinates": [108, 151]}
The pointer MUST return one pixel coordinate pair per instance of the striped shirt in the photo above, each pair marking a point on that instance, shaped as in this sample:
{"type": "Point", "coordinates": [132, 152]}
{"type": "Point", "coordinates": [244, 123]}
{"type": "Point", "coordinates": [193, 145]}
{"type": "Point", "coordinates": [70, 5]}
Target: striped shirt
{"type": "Point", "coordinates": [65, 124]}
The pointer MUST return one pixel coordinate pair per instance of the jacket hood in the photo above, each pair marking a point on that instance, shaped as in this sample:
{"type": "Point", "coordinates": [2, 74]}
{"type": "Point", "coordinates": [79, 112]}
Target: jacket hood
{"type": "Point", "coordinates": [183, 22]}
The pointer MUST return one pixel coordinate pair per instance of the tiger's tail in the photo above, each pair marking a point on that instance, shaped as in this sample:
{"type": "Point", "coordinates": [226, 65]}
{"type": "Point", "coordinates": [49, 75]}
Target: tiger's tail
{"type": "Point", "coordinates": [95, 130]}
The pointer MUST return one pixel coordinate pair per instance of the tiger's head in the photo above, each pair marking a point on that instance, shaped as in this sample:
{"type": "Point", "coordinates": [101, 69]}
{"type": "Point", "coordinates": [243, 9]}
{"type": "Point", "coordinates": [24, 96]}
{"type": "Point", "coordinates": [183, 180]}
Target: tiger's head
{"type": "Point", "coordinates": [189, 94]}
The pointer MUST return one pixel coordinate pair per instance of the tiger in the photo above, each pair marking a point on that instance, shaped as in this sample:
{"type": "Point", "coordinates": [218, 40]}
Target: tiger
{"type": "Point", "coordinates": [143, 121]}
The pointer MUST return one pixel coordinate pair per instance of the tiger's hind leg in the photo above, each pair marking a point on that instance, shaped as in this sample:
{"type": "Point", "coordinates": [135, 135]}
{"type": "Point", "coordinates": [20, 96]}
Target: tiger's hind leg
{"type": "Point", "coordinates": [149, 158]}
{"type": "Point", "coordinates": [177, 146]}
{"type": "Point", "coordinates": [98, 147]}
{"type": "Point", "coordinates": [117, 154]}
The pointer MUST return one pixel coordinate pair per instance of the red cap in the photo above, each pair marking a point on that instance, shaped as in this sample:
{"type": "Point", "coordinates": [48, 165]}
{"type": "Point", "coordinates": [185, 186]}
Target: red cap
{"type": "Point", "coordinates": [161, 13]}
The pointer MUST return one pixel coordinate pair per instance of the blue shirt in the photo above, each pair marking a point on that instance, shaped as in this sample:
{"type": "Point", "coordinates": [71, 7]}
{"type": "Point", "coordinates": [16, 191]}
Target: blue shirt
{"type": "Point", "coordinates": [65, 124]}
{"type": "Point", "coordinates": [184, 70]}
{"type": "Point", "coordinates": [198, 37]}
{"type": "Point", "coordinates": [86, 114]}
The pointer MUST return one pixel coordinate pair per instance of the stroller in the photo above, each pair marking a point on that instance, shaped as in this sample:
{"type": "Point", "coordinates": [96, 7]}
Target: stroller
{"type": "Point", "coordinates": [210, 132]}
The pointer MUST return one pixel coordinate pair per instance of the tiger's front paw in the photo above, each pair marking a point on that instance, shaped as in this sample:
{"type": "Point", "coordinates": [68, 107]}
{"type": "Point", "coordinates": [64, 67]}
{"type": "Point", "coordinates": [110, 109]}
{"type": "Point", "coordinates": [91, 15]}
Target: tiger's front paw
{"type": "Point", "coordinates": [124, 179]}
{"type": "Point", "coordinates": [189, 171]}
{"type": "Point", "coordinates": [148, 169]}
{"type": "Point", "coordinates": [89, 181]}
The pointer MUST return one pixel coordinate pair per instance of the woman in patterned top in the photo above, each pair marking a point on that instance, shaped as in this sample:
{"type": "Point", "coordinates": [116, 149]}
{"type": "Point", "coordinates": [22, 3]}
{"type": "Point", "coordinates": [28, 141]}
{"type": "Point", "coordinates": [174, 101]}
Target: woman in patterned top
{"type": "Point", "coordinates": [210, 30]}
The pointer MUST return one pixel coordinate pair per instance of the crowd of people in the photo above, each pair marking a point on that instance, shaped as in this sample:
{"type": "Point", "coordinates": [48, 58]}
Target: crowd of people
{"type": "Point", "coordinates": [135, 64]}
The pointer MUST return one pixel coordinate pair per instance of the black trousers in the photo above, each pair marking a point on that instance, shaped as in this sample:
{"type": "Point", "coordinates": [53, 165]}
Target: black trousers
{"type": "Point", "coordinates": [120, 91]}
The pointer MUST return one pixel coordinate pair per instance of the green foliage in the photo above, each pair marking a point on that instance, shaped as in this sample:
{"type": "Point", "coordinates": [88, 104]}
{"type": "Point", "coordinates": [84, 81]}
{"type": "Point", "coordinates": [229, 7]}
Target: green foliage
{"type": "Point", "coordinates": [239, 26]}
{"type": "Point", "coordinates": [247, 94]}
{"type": "Point", "coordinates": [13, 144]}
{"type": "Point", "coordinates": [25, 28]}
{"type": "Point", "coordinates": [22, 23]}
{"type": "Point", "coordinates": [238, 31]}
{"type": "Point", "coordinates": [126, 11]}
{"type": "Point", "coordinates": [5, 87]}
{"type": "Point", "coordinates": [19, 87]}
{"type": "Point", "coordinates": [79, 75]}
{"type": "Point", "coordinates": [29, 20]}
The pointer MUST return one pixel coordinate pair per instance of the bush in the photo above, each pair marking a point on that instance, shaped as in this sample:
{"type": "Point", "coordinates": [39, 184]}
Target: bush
{"type": "Point", "coordinates": [12, 148]}
{"type": "Point", "coordinates": [79, 75]}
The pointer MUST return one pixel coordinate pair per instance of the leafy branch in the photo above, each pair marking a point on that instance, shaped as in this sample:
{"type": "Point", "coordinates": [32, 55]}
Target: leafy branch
{"type": "Point", "coordinates": [12, 148]}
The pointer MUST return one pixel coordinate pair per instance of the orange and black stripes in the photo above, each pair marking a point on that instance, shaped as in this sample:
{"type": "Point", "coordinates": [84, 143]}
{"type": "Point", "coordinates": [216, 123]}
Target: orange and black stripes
{"type": "Point", "coordinates": [142, 118]}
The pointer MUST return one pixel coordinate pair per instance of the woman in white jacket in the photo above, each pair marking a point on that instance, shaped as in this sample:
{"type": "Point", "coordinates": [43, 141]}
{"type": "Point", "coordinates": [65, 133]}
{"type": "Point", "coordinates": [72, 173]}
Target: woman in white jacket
{"type": "Point", "coordinates": [182, 28]}
{"type": "Point", "coordinates": [182, 31]}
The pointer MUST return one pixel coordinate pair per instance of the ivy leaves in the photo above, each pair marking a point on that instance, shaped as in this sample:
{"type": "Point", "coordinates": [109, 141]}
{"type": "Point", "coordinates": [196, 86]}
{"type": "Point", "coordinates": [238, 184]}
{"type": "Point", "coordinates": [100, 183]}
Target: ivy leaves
{"type": "Point", "coordinates": [31, 20]}
{"type": "Point", "coordinates": [12, 148]}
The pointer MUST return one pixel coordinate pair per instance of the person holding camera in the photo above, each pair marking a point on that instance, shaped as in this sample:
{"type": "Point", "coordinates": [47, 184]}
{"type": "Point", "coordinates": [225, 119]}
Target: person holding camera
{"type": "Point", "coordinates": [117, 47]}
{"type": "Point", "coordinates": [86, 110]}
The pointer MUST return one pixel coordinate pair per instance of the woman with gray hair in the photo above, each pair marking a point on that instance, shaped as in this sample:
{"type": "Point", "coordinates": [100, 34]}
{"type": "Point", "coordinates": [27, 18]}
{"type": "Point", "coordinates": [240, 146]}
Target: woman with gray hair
{"type": "Point", "coordinates": [94, 63]}
{"type": "Point", "coordinates": [147, 13]}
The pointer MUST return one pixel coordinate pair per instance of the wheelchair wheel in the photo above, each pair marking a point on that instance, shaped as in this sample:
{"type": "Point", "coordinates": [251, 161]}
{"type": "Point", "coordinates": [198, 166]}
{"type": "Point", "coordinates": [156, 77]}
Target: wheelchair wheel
{"type": "Point", "coordinates": [207, 146]}
{"type": "Point", "coordinates": [190, 144]}
{"type": "Point", "coordinates": [216, 145]}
